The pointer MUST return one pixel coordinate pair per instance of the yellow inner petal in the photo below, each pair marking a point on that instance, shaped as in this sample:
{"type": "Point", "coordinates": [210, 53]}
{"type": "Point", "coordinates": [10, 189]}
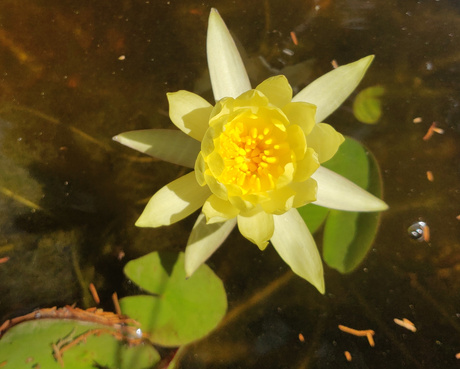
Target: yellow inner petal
{"type": "Point", "coordinates": [255, 152]}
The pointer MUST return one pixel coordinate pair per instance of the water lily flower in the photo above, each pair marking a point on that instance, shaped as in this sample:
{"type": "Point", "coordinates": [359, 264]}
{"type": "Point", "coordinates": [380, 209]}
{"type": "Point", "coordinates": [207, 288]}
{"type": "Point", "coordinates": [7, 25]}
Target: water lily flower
{"type": "Point", "coordinates": [256, 156]}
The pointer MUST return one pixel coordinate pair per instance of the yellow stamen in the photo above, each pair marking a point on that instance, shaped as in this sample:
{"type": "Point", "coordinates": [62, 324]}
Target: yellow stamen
{"type": "Point", "coordinates": [250, 147]}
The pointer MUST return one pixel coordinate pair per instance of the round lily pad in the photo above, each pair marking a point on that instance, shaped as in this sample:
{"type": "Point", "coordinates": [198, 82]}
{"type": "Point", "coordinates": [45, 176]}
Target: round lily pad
{"type": "Point", "coordinates": [367, 106]}
{"type": "Point", "coordinates": [178, 310]}
{"type": "Point", "coordinates": [349, 235]}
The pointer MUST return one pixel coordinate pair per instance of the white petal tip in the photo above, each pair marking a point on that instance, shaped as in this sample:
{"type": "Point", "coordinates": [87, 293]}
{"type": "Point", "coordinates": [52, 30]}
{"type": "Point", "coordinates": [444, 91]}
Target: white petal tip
{"type": "Point", "coordinates": [337, 192]}
{"type": "Point", "coordinates": [321, 288]}
{"type": "Point", "coordinates": [373, 204]}
{"type": "Point", "coordinates": [143, 225]}
{"type": "Point", "coordinates": [383, 206]}
{"type": "Point", "coordinates": [189, 270]}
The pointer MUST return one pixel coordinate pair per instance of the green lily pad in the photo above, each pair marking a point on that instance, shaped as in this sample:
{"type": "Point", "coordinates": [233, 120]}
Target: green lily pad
{"type": "Point", "coordinates": [367, 106]}
{"type": "Point", "coordinates": [180, 310]}
{"type": "Point", "coordinates": [349, 161]}
{"type": "Point", "coordinates": [348, 236]}
{"type": "Point", "coordinates": [30, 345]}
{"type": "Point", "coordinates": [313, 216]}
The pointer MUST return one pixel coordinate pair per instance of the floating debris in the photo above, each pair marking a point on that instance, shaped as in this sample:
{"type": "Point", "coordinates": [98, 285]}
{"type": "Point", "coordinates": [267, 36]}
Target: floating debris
{"type": "Point", "coordinates": [406, 323]}
{"type": "Point", "coordinates": [94, 293]}
{"type": "Point", "coordinates": [294, 38]}
{"type": "Point", "coordinates": [347, 355]}
{"type": "Point", "coordinates": [92, 315]}
{"type": "Point", "coordinates": [429, 175]}
{"type": "Point", "coordinates": [369, 333]}
{"type": "Point", "coordinates": [4, 259]}
{"type": "Point", "coordinates": [301, 337]}
{"type": "Point", "coordinates": [433, 128]}
{"type": "Point", "coordinates": [116, 303]}
{"type": "Point", "coordinates": [417, 120]}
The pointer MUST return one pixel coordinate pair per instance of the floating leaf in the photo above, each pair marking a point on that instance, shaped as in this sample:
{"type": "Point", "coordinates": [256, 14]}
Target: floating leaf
{"type": "Point", "coordinates": [349, 161]}
{"type": "Point", "coordinates": [181, 310]}
{"type": "Point", "coordinates": [349, 235]}
{"type": "Point", "coordinates": [367, 106]}
{"type": "Point", "coordinates": [30, 345]}
{"type": "Point", "coordinates": [313, 216]}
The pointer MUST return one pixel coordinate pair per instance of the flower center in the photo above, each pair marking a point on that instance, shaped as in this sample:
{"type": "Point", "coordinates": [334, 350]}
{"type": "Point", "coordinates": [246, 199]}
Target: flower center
{"type": "Point", "coordinates": [254, 152]}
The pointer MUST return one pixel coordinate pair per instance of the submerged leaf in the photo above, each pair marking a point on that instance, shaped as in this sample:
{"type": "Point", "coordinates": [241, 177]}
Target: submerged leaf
{"type": "Point", "coordinates": [367, 106]}
{"type": "Point", "coordinates": [181, 310]}
{"type": "Point", "coordinates": [30, 345]}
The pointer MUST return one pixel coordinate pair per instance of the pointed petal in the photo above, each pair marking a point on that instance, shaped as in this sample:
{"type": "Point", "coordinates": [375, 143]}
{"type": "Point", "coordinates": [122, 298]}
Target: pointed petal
{"type": "Point", "coordinates": [302, 114]}
{"type": "Point", "coordinates": [297, 248]}
{"type": "Point", "coordinates": [277, 89]}
{"type": "Point", "coordinates": [189, 112]}
{"type": "Point", "coordinates": [165, 144]}
{"type": "Point", "coordinates": [337, 192]}
{"type": "Point", "coordinates": [227, 71]}
{"type": "Point", "coordinates": [329, 91]}
{"type": "Point", "coordinates": [203, 241]}
{"type": "Point", "coordinates": [174, 202]}
{"type": "Point", "coordinates": [218, 210]}
{"type": "Point", "coordinates": [257, 228]}
{"type": "Point", "coordinates": [325, 140]}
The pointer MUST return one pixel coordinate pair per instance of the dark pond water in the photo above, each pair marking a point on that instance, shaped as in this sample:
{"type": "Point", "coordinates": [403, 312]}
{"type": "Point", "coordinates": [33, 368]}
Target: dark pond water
{"type": "Point", "coordinates": [75, 73]}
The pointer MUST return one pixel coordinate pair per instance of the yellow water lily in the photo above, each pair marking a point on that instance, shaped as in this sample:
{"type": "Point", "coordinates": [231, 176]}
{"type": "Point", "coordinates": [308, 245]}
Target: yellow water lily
{"type": "Point", "coordinates": [256, 155]}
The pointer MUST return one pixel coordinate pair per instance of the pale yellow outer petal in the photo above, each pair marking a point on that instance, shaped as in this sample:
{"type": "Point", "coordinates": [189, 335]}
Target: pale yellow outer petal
{"type": "Point", "coordinates": [218, 210]}
{"type": "Point", "coordinates": [325, 140]}
{"type": "Point", "coordinates": [200, 168]}
{"type": "Point", "coordinates": [307, 166]}
{"type": "Point", "coordinates": [297, 141]}
{"type": "Point", "coordinates": [215, 186]}
{"type": "Point", "coordinates": [301, 114]}
{"type": "Point", "coordinates": [257, 228]}
{"type": "Point", "coordinates": [305, 192]}
{"type": "Point", "coordinates": [329, 91]}
{"type": "Point", "coordinates": [280, 201]}
{"type": "Point", "coordinates": [228, 74]}
{"type": "Point", "coordinates": [204, 240]}
{"type": "Point", "coordinates": [337, 192]}
{"type": "Point", "coordinates": [207, 145]}
{"type": "Point", "coordinates": [277, 89]}
{"type": "Point", "coordinates": [294, 195]}
{"type": "Point", "coordinates": [190, 113]}
{"type": "Point", "coordinates": [174, 202]}
{"type": "Point", "coordinates": [297, 248]}
{"type": "Point", "coordinates": [170, 145]}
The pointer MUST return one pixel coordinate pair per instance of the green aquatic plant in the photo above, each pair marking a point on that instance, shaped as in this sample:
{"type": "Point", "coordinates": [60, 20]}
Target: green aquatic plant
{"type": "Point", "coordinates": [257, 157]}
{"type": "Point", "coordinates": [367, 106]}
{"type": "Point", "coordinates": [173, 311]}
